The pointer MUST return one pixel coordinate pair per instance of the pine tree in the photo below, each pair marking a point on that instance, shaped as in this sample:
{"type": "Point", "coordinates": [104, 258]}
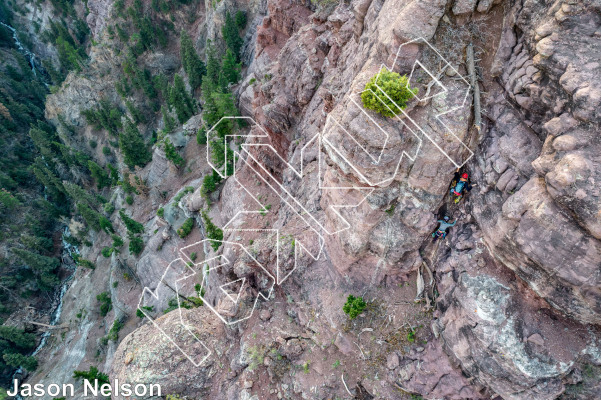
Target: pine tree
{"type": "Point", "coordinates": [37, 262]}
{"type": "Point", "coordinates": [136, 114]}
{"type": "Point", "coordinates": [168, 121]}
{"type": "Point", "coordinates": [131, 143]}
{"type": "Point", "coordinates": [231, 35]}
{"type": "Point", "coordinates": [191, 62]}
{"type": "Point", "coordinates": [99, 174]}
{"type": "Point", "coordinates": [91, 217]}
{"type": "Point", "coordinates": [240, 19]}
{"type": "Point", "coordinates": [79, 194]}
{"type": "Point", "coordinates": [224, 103]}
{"type": "Point", "coordinates": [132, 225]}
{"type": "Point", "coordinates": [19, 360]}
{"type": "Point", "coordinates": [213, 67]}
{"type": "Point", "coordinates": [21, 339]}
{"type": "Point", "coordinates": [210, 113]}
{"type": "Point", "coordinates": [42, 266]}
{"type": "Point", "coordinates": [181, 100]}
{"type": "Point", "coordinates": [230, 68]}
{"type": "Point", "coordinates": [172, 154]}
{"type": "Point", "coordinates": [48, 178]}
{"type": "Point", "coordinates": [213, 232]}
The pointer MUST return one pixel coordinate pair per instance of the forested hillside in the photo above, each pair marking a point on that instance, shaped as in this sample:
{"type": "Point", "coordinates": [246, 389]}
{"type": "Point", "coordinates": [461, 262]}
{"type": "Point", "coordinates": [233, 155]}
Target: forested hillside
{"type": "Point", "coordinates": [51, 180]}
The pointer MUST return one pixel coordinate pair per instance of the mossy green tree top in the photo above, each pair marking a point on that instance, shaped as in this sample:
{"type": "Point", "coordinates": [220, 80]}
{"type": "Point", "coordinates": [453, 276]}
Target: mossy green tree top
{"type": "Point", "coordinates": [394, 85]}
{"type": "Point", "coordinates": [354, 306]}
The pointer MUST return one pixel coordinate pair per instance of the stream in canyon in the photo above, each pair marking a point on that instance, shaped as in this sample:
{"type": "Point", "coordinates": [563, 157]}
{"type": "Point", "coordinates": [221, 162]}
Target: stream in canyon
{"type": "Point", "coordinates": [68, 252]}
{"type": "Point", "coordinates": [30, 56]}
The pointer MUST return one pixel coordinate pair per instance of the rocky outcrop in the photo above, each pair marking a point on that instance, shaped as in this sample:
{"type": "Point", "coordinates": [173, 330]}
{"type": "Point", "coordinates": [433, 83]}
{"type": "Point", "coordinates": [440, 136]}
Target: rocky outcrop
{"type": "Point", "coordinates": [150, 358]}
{"type": "Point", "coordinates": [518, 279]}
{"type": "Point", "coordinates": [539, 208]}
{"type": "Point", "coordinates": [500, 331]}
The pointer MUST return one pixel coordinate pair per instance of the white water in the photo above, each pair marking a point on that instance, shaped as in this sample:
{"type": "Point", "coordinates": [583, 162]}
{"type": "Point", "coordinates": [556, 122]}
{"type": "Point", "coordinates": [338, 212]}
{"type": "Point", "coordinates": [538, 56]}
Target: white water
{"type": "Point", "coordinates": [22, 49]}
{"type": "Point", "coordinates": [68, 250]}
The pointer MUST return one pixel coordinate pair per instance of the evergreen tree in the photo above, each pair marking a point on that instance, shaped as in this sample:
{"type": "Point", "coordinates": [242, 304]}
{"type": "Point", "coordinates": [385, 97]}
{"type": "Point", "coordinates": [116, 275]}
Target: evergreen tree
{"type": "Point", "coordinates": [181, 100]}
{"type": "Point", "coordinates": [210, 112]}
{"type": "Point", "coordinates": [230, 68]}
{"type": "Point", "coordinates": [213, 69]}
{"type": "Point", "coordinates": [191, 62]}
{"type": "Point", "coordinates": [99, 174]}
{"type": "Point", "coordinates": [25, 341]}
{"type": "Point", "coordinates": [7, 200]}
{"type": "Point", "coordinates": [132, 225]}
{"type": "Point", "coordinates": [231, 35]}
{"type": "Point", "coordinates": [91, 217]}
{"type": "Point", "coordinates": [240, 19]}
{"type": "Point", "coordinates": [42, 266]}
{"type": "Point", "coordinates": [213, 232]}
{"type": "Point", "coordinates": [44, 141]}
{"type": "Point", "coordinates": [131, 143]}
{"type": "Point", "coordinates": [136, 245]}
{"type": "Point", "coordinates": [79, 194]}
{"type": "Point", "coordinates": [225, 107]}
{"type": "Point", "coordinates": [168, 121]}
{"type": "Point", "coordinates": [47, 178]}
{"type": "Point", "coordinates": [105, 116]}
{"type": "Point", "coordinates": [19, 360]}
{"type": "Point", "coordinates": [172, 154]}
{"type": "Point", "coordinates": [136, 114]}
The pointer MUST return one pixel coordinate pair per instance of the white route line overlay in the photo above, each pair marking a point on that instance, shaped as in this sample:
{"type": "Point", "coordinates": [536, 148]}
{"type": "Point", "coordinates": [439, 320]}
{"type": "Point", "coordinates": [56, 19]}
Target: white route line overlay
{"type": "Point", "coordinates": [279, 190]}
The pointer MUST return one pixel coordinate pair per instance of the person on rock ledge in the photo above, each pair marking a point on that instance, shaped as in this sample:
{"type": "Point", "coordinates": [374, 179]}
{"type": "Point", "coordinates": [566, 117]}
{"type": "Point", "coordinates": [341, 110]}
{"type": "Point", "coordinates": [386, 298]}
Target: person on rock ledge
{"type": "Point", "coordinates": [441, 232]}
{"type": "Point", "coordinates": [460, 185]}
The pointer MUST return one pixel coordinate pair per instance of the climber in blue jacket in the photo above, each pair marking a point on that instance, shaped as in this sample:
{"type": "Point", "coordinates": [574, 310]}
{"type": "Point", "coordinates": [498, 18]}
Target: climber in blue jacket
{"type": "Point", "coordinates": [460, 186]}
{"type": "Point", "coordinates": [441, 232]}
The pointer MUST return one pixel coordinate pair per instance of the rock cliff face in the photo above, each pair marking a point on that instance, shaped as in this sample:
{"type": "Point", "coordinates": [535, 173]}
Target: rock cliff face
{"type": "Point", "coordinates": [515, 287]}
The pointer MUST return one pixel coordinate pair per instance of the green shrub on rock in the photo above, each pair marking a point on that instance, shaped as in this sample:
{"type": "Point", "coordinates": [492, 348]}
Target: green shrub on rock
{"type": "Point", "coordinates": [354, 306]}
{"type": "Point", "coordinates": [389, 83]}
{"type": "Point", "coordinates": [186, 228]}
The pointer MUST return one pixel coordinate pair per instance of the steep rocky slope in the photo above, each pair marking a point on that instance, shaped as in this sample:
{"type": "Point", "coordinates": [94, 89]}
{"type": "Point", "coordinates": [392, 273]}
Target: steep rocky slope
{"type": "Point", "coordinates": [516, 283]}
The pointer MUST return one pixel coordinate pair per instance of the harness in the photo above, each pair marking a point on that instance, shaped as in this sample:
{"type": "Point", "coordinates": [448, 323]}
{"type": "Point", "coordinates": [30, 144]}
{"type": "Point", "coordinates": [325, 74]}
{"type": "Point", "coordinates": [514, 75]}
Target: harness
{"type": "Point", "coordinates": [458, 188]}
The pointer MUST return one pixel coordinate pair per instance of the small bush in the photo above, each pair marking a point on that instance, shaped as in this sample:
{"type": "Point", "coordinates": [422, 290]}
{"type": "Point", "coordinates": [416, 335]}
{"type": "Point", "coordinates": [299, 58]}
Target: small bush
{"type": "Point", "coordinates": [107, 251]}
{"type": "Point", "coordinates": [208, 186]}
{"type": "Point", "coordinates": [109, 208]}
{"type": "Point", "coordinates": [136, 245]}
{"type": "Point", "coordinates": [201, 136]}
{"type": "Point", "coordinates": [393, 85]}
{"type": "Point", "coordinates": [92, 375]}
{"type": "Point", "coordinates": [117, 241]}
{"type": "Point", "coordinates": [114, 332]}
{"type": "Point", "coordinates": [180, 195]}
{"type": "Point", "coordinates": [186, 228]}
{"type": "Point", "coordinates": [129, 199]}
{"type": "Point", "coordinates": [172, 155]}
{"type": "Point", "coordinates": [86, 263]}
{"type": "Point", "coordinates": [354, 306]}
{"type": "Point", "coordinates": [161, 212]}
{"type": "Point", "coordinates": [213, 232]}
{"type": "Point", "coordinates": [105, 303]}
